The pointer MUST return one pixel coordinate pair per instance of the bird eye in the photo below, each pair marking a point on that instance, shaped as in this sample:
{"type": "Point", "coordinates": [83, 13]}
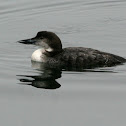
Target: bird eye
{"type": "Point", "coordinates": [42, 37]}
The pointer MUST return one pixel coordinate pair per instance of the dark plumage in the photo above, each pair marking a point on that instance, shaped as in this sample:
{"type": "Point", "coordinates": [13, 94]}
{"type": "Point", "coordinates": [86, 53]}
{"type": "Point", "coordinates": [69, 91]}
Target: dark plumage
{"type": "Point", "coordinates": [80, 57]}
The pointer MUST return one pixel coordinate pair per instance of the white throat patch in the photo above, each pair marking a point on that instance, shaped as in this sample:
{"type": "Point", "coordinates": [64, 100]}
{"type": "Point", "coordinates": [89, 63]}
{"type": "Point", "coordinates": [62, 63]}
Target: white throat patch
{"type": "Point", "coordinates": [39, 55]}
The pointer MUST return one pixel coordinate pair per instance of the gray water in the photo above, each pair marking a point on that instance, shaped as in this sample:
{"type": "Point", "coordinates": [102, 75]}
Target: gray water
{"type": "Point", "coordinates": [90, 98]}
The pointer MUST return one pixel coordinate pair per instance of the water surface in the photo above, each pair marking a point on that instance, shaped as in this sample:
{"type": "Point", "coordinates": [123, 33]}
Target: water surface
{"type": "Point", "coordinates": [93, 97]}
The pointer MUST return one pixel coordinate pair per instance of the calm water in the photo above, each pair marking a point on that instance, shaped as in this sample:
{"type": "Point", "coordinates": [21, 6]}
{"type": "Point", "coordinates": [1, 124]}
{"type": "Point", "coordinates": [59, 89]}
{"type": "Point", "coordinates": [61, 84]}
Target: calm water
{"type": "Point", "coordinates": [91, 98]}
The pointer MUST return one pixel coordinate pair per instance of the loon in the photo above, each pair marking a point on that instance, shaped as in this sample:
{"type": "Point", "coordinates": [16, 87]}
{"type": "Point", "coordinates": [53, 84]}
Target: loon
{"type": "Point", "coordinates": [52, 53]}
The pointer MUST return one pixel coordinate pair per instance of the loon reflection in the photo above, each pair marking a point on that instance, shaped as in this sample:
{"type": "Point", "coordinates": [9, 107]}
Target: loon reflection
{"type": "Point", "coordinates": [46, 79]}
{"type": "Point", "coordinates": [48, 75]}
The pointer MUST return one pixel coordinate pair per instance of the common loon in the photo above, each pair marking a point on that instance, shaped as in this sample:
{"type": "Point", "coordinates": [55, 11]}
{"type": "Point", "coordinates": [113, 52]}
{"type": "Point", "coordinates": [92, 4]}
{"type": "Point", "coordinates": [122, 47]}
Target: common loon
{"type": "Point", "coordinates": [52, 53]}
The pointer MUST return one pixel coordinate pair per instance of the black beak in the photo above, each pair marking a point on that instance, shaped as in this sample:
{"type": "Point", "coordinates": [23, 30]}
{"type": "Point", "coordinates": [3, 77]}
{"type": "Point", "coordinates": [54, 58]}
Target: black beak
{"type": "Point", "coordinates": [28, 41]}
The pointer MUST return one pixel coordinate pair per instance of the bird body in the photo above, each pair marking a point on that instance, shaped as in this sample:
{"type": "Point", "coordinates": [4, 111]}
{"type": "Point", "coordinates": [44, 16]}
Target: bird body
{"type": "Point", "coordinates": [51, 53]}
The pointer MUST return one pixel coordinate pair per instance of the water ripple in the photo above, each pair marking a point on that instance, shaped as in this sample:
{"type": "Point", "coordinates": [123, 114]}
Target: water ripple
{"type": "Point", "coordinates": [50, 7]}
